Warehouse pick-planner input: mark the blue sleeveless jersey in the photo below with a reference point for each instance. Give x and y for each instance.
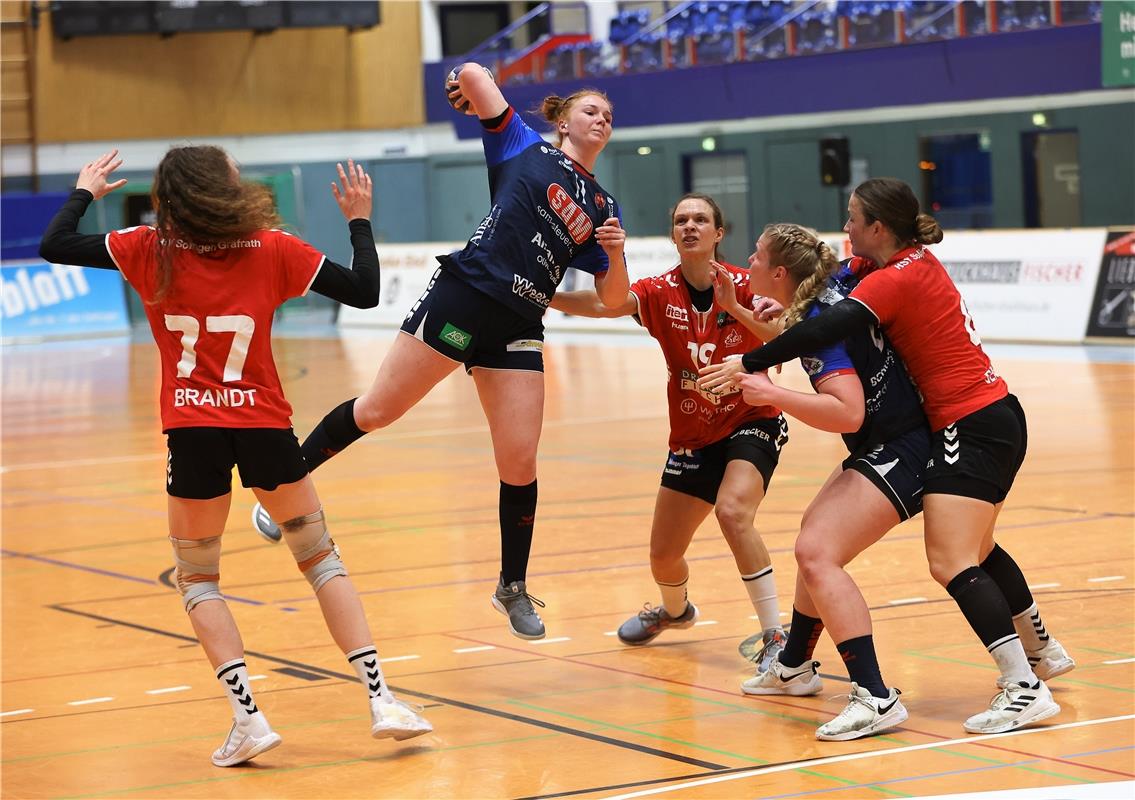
(893, 405)
(545, 210)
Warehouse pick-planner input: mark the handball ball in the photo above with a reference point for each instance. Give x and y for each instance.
(451, 83)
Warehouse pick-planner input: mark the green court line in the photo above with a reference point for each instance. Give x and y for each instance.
(848, 782)
(735, 706)
(1106, 652)
(1014, 765)
(627, 729)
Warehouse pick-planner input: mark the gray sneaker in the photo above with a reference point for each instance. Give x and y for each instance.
(774, 640)
(515, 603)
(651, 621)
(264, 525)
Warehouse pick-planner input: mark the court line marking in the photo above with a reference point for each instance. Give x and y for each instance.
(816, 762)
(168, 690)
(15, 712)
(1043, 585)
(398, 658)
(480, 649)
(904, 601)
(553, 640)
(90, 701)
(705, 622)
(595, 737)
(1107, 578)
(1120, 661)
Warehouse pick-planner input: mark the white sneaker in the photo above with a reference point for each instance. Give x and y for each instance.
(246, 741)
(1050, 661)
(779, 679)
(392, 719)
(1015, 706)
(865, 715)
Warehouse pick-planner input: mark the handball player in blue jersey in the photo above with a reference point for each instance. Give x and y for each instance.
(862, 391)
(484, 306)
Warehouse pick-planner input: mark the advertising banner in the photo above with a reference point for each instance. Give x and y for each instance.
(1019, 285)
(40, 300)
(1113, 308)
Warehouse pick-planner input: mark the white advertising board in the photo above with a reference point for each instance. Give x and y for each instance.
(1019, 285)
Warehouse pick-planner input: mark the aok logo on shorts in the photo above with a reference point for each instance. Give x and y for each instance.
(578, 223)
(455, 336)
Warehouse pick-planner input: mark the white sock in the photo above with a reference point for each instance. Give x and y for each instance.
(365, 662)
(674, 597)
(1012, 661)
(761, 587)
(1030, 628)
(233, 676)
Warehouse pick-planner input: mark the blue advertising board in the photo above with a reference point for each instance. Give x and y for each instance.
(40, 300)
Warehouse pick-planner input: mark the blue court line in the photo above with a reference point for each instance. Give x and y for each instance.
(912, 779)
(121, 576)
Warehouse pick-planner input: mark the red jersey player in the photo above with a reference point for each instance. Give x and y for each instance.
(977, 444)
(722, 451)
(211, 273)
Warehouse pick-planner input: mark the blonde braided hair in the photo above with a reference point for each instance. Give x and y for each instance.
(808, 260)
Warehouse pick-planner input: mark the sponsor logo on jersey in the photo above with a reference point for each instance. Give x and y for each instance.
(455, 336)
(526, 289)
(599, 201)
(688, 406)
(677, 313)
(733, 338)
(578, 223)
(724, 318)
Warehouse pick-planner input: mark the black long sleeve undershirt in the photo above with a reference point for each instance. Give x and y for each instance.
(828, 327)
(356, 286)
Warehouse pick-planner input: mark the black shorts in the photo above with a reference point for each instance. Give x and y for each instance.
(979, 455)
(468, 326)
(699, 472)
(200, 461)
(896, 469)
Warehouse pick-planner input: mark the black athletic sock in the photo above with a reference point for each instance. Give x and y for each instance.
(983, 604)
(862, 664)
(517, 517)
(803, 635)
(332, 435)
(1004, 571)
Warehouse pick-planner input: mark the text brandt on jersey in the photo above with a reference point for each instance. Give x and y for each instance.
(233, 398)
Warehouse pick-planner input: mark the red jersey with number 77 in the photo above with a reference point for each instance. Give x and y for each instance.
(690, 340)
(926, 318)
(213, 328)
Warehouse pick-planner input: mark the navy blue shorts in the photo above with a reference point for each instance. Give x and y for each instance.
(698, 473)
(200, 461)
(470, 327)
(979, 455)
(896, 469)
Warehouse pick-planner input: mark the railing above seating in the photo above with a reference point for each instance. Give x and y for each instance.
(726, 31)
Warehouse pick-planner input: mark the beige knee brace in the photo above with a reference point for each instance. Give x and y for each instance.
(314, 551)
(198, 572)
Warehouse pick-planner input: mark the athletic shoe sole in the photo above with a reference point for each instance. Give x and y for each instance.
(889, 720)
(397, 734)
(274, 538)
(1058, 668)
(262, 746)
(680, 626)
(1024, 719)
(794, 690)
(499, 606)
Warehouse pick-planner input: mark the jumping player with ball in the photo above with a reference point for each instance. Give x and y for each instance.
(483, 308)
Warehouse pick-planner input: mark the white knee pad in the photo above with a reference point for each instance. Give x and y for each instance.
(314, 551)
(198, 572)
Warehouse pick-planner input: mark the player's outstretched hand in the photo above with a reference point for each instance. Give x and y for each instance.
(724, 291)
(720, 377)
(357, 192)
(93, 176)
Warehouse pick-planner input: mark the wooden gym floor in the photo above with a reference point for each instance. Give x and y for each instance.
(106, 694)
